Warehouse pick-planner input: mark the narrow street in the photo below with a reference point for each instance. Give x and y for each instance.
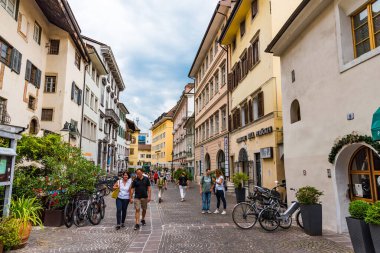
(175, 226)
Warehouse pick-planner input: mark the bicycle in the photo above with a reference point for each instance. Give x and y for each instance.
(87, 209)
(68, 214)
(99, 198)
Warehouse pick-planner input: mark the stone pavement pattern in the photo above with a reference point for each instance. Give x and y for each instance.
(175, 226)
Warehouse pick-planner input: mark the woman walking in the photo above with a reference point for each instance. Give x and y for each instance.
(122, 200)
(219, 192)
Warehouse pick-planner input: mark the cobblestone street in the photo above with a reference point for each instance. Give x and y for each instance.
(175, 226)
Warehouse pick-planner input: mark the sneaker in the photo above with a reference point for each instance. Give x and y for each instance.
(181, 200)
(224, 212)
(143, 222)
(122, 225)
(208, 211)
(117, 227)
(137, 226)
(203, 212)
(216, 211)
(159, 200)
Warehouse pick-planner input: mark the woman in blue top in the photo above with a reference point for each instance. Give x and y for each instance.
(219, 192)
(122, 201)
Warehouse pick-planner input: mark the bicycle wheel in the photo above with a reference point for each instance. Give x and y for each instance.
(268, 219)
(299, 219)
(287, 222)
(68, 214)
(244, 215)
(93, 213)
(79, 216)
(102, 208)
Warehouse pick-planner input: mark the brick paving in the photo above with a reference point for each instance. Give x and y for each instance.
(174, 226)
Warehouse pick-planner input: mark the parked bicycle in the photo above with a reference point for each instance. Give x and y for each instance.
(87, 209)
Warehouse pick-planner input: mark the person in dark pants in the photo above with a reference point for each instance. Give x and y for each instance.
(141, 188)
(122, 200)
(219, 192)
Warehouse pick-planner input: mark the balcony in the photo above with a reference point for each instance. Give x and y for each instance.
(111, 115)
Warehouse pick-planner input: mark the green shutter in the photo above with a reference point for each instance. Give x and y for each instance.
(28, 71)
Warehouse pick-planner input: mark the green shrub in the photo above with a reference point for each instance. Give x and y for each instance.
(308, 195)
(358, 209)
(27, 210)
(239, 178)
(373, 214)
(9, 232)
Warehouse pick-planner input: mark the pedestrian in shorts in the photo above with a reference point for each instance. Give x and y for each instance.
(141, 188)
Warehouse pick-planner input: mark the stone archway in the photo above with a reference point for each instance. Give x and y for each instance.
(207, 162)
(220, 161)
(341, 178)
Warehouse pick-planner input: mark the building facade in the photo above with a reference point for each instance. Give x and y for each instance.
(254, 84)
(145, 155)
(209, 69)
(330, 96)
(185, 108)
(189, 126)
(132, 139)
(145, 138)
(162, 140)
(122, 155)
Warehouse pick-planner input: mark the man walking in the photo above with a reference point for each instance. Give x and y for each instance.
(161, 184)
(182, 182)
(141, 188)
(205, 189)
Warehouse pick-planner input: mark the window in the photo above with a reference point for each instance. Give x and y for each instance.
(211, 55)
(148, 156)
(37, 33)
(211, 126)
(5, 53)
(54, 47)
(76, 94)
(366, 29)
(217, 122)
(365, 175)
(32, 103)
(102, 90)
(224, 119)
(242, 28)
(33, 74)
(4, 117)
(50, 83)
(77, 60)
(223, 73)
(96, 105)
(87, 96)
(92, 101)
(101, 122)
(23, 26)
(9, 6)
(216, 46)
(132, 151)
(211, 89)
(93, 73)
(258, 106)
(47, 115)
(295, 112)
(254, 8)
(244, 115)
(206, 62)
(255, 52)
(216, 80)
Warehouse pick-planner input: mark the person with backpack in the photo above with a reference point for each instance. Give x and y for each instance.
(205, 188)
(161, 184)
(155, 177)
(220, 192)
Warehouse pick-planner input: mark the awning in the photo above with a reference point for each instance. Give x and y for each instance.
(375, 127)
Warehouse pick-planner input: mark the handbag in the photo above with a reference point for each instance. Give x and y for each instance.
(115, 193)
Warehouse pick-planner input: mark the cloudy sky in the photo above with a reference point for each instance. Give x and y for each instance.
(154, 41)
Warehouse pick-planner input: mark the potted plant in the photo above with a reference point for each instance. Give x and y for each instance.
(238, 179)
(9, 233)
(311, 209)
(373, 219)
(358, 229)
(27, 212)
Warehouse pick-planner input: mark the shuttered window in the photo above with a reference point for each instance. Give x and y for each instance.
(76, 94)
(5, 52)
(37, 33)
(16, 58)
(260, 98)
(33, 74)
(254, 8)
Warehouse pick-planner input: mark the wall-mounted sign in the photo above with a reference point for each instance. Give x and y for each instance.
(241, 139)
(226, 157)
(251, 135)
(264, 131)
(266, 152)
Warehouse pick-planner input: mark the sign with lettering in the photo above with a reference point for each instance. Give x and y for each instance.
(251, 135)
(264, 131)
(266, 152)
(241, 139)
(226, 157)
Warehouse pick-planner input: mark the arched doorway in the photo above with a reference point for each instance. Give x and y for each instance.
(357, 175)
(221, 161)
(243, 161)
(207, 162)
(33, 126)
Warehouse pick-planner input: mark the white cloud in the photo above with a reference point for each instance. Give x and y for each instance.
(154, 41)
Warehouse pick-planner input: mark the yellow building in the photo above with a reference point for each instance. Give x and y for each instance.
(132, 138)
(145, 156)
(254, 85)
(162, 140)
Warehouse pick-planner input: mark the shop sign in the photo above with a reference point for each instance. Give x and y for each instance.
(266, 152)
(226, 157)
(264, 131)
(251, 135)
(202, 160)
(241, 139)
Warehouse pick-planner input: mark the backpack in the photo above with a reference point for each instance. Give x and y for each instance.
(160, 182)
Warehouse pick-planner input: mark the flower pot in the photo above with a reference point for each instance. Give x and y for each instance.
(53, 218)
(240, 195)
(375, 234)
(360, 235)
(24, 232)
(312, 219)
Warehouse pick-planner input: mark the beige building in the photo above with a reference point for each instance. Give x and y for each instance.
(209, 70)
(329, 91)
(145, 156)
(254, 84)
(181, 145)
(132, 137)
(42, 67)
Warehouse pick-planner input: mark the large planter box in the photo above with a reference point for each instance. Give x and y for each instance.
(375, 234)
(360, 235)
(240, 195)
(312, 219)
(53, 218)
